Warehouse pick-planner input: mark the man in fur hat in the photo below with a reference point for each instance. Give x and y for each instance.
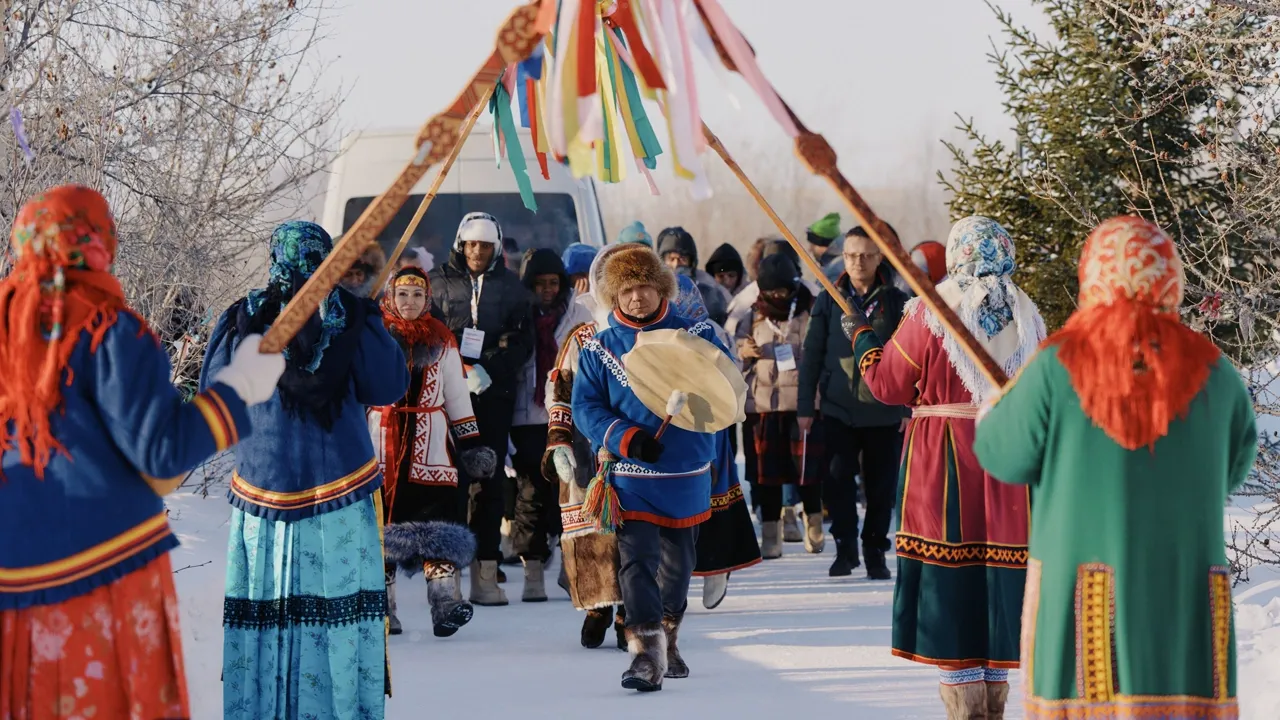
(663, 487)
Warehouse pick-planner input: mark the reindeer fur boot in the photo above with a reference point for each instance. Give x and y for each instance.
(676, 667)
(648, 647)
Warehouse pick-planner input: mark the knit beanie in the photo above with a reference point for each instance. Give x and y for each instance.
(577, 258)
(635, 233)
(778, 272)
(825, 231)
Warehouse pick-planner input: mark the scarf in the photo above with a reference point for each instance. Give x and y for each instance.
(781, 310)
(545, 349)
(64, 242)
(1132, 362)
(421, 333)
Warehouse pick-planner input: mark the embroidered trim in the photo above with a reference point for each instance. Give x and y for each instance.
(1096, 680)
(438, 570)
(1030, 613)
(86, 562)
(560, 415)
(610, 362)
(465, 428)
(967, 676)
(961, 662)
(633, 470)
(574, 522)
(365, 605)
(995, 676)
(701, 327)
(216, 415)
(1133, 707)
(960, 554)
(1220, 615)
(364, 475)
(869, 358)
(720, 502)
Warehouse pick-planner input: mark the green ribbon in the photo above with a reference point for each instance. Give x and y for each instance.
(500, 106)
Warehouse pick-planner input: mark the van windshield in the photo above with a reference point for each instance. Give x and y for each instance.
(554, 226)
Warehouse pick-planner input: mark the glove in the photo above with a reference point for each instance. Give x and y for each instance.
(644, 447)
(851, 323)
(253, 375)
(566, 465)
(478, 380)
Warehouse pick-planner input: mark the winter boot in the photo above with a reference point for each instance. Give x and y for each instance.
(877, 568)
(676, 667)
(648, 647)
(815, 539)
(594, 626)
(790, 526)
(501, 577)
(846, 560)
(447, 614)
(965, 702)
(771, 540)
(620, 627)
(393, 623)
(563, 580)
(484, 584)
(535, 586)
(457, 584)
(997, 696)
(714, 588)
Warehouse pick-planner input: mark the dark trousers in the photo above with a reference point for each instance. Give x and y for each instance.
(880, 448)
(750, 462)
(482, 498)
(537, 511)
(771, 500)
(655, 566)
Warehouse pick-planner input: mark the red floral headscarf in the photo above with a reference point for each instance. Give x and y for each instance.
(64, 242)
(1133, 363)
(423, 330)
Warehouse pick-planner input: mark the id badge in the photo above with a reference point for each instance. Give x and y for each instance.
(785, 356)
(472, 343)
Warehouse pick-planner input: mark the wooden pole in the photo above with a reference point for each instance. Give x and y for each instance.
(805, 255)
(463, 134)
(517, 38)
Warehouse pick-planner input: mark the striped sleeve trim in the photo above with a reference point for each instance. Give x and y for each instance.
(216, 415)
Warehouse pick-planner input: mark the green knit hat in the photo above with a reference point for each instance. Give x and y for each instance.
(825, 231)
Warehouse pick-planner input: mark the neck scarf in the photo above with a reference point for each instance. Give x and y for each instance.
(423, 332)
(980, 261)
(1132, 362)
(64, 242)
(782, 310)
(545, 349)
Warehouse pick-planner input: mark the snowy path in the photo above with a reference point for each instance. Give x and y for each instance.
(787, 640)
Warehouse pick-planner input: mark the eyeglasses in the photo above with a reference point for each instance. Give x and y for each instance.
(862, 257)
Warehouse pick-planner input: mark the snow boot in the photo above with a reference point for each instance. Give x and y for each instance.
(714, 588)
(620, 627)
(790, 526)
(770, 540)
(393, 623)
(815, 539)
(535, 586)
(877, 568)
(594, 627)
(997, 696)
(484, 584)
(648, 647)
(846, 560)
(676, 667)
(447, 614)
(965, 702)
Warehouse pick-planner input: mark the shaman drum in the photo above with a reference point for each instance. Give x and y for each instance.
(666, 360)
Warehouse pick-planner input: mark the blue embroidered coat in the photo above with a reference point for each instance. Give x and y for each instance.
(292, 468)
(95, 516)
(675, 491)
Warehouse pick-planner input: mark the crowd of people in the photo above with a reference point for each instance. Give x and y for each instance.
(1068, 524)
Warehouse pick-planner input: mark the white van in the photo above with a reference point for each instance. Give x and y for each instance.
(568, 210)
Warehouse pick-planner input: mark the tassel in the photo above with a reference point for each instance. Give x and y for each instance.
(601, 503)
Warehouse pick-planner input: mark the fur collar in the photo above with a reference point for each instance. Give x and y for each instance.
(419, 356)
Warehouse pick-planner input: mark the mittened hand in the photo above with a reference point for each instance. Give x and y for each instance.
(851, 323)
(565, 465)
(644, 447)
(478, 379)
(253, 375)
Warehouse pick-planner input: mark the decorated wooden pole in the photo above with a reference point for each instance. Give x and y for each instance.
(517, 38)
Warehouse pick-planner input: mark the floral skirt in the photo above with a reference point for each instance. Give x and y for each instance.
(115, 652)
(303, 617)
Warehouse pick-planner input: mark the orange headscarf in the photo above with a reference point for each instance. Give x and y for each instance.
(63, 242)
(1133, 363)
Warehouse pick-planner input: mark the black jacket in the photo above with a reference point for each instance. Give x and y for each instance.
(827, 363)
(504, 313)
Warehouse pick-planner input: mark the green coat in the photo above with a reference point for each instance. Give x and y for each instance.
(1128, 602)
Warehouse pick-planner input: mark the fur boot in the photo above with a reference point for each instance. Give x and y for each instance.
(676, 666)
(648, 647)
(714, 588)
(770, 539)
(620, 627)
(447, 614)
(790, 526)
(393, 623)
(563, 580)
(997, 697)
(594, 627)
(484, 584)
(413, 546)
(535, 586)
(815, 540)
(965, 702)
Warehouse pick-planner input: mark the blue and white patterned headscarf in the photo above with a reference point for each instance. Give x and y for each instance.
(689, 303)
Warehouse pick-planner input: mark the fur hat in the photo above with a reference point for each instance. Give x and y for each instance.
(359, 279)
(631, 266)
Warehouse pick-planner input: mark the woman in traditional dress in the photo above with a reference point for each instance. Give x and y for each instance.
(93, 434)
(962, 536)
(1132, 430)
(411, 440)
(303, 619)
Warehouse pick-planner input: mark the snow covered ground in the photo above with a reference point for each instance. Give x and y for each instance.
(786, 640)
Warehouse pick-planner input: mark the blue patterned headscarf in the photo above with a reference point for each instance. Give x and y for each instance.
(689, 303)
(980, 259)
(297, 249)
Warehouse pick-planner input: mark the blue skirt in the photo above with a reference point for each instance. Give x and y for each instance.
(303, 617)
